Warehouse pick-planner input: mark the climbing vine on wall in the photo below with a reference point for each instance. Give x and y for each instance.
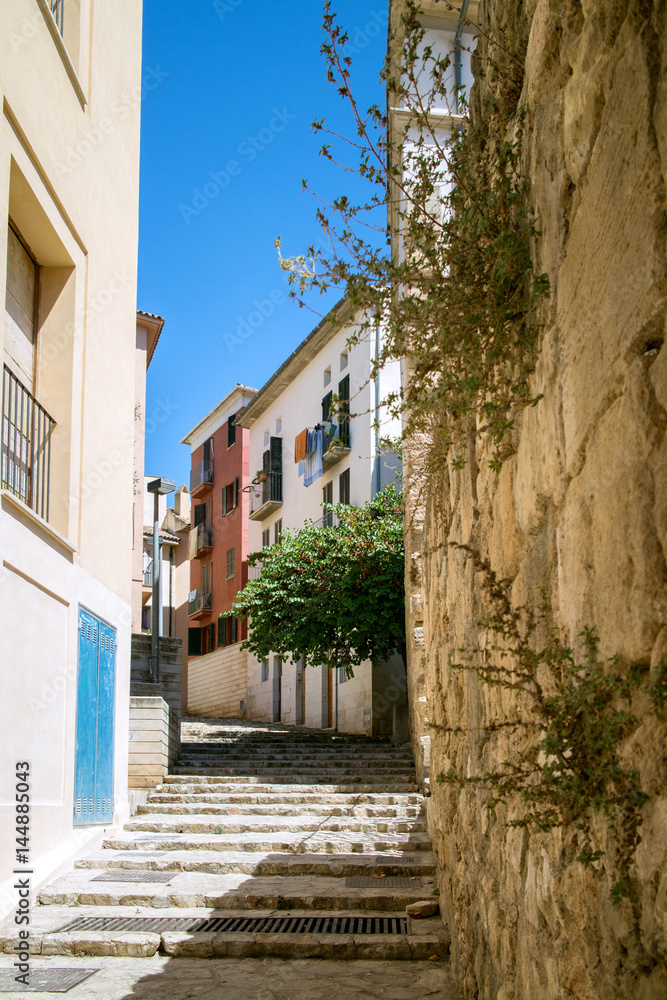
(573, 713)
(456, 290)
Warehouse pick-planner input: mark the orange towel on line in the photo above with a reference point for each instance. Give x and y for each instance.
(300, 446)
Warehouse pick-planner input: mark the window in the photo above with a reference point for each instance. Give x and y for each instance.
(277, 530)
(279, 426)
(230, 563)
(231, 430)
(208, 450)
(342, 675)
(146, 618)
(327, 375)
(344, 415)
(206, 578)
(266, 538)
(194, 642)
(326, 406)
(343, 360)
(265, 670)
(234, 628)
(344, 487)
(222, 631)
(327, 497)
(230, 497)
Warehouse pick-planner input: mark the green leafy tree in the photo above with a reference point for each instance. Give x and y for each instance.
(331, 595)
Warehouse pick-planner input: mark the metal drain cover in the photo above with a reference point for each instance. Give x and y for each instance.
(390, 882)
(44, 980)
(244, 925)
(122, 875)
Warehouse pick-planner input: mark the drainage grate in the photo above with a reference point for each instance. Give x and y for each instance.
(390, 882)
(244, 925)
(118, 875)
(44, 980)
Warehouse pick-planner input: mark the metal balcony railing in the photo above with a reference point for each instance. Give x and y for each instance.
(201, 475)
(255, 571)
(26, 445)
(58, 11)
(200, 602)
(148, 575)
(267, 496)
(204, 537)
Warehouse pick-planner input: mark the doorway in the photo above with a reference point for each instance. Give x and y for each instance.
(93, 786)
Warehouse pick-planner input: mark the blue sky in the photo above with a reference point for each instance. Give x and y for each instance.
(230, 95)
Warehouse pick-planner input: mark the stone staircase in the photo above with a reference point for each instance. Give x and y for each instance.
(263, 841)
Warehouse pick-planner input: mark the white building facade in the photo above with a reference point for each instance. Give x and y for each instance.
(298, 397)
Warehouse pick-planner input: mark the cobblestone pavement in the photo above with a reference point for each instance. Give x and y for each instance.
(161, 978)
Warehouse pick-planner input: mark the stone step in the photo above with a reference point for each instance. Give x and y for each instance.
(249, 785)
(364, 778)
(288, 758)
(340, 865)
(227, 824)
(191, 806)
(328, 843)
(312, 799)
(234, 892)
(325, 772)
(422, 940)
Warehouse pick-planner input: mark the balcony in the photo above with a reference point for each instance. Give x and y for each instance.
(204, 539)
(26, 445)
(200, 605)
(148, 575)
(267, 497)
(255, 571)
(336, 445)
(201, 478)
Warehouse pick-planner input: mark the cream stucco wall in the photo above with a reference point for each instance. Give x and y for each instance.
(69, 163)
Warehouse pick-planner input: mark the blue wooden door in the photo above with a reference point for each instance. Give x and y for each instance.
(93, 795)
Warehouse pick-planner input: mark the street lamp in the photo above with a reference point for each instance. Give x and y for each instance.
(158, 487)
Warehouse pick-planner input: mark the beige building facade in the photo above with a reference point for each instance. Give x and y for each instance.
(69, 179)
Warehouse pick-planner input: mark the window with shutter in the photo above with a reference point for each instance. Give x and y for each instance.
(207, 450)
(224, 501)
(231, 430)
(266, 538)
(222, 631)
(326, 406)
(344, 414)
(235, 629)
(211, 638)
(344, 487)
(198, 515)
(277, 530)
(194, 642)
(327, 497)
(235, 493)
(206, 577)
(230, 563)
(276, 469)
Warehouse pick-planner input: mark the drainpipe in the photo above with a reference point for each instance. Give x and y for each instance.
(457, 49)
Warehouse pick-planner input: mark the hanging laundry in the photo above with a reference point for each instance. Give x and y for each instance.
(300, 442)
(313, 461)
(192, 543)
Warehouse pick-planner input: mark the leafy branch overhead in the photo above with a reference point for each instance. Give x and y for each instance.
(331, 595)
(456, 288)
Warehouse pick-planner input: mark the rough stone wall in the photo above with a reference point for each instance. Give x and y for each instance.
(579, 508)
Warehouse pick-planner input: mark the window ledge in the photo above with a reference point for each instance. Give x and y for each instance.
(62, 51)
(36, 523)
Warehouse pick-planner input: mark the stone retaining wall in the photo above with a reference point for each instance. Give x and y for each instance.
(579, 509)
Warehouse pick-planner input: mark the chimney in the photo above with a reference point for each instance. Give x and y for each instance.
(182, 503)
